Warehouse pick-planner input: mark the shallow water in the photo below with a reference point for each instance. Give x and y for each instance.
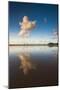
(31, 66)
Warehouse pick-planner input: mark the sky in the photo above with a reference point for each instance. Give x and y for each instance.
(45, 15)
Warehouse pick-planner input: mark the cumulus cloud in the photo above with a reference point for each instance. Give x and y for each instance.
(26, 26)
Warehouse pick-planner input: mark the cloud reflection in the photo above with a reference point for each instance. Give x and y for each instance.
(25, 63)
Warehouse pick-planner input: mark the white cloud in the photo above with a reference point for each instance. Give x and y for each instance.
(55, 35)
(26, 26)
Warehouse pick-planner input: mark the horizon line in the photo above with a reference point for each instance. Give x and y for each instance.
(33, 44)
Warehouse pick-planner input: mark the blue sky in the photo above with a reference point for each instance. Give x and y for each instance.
(46, 16)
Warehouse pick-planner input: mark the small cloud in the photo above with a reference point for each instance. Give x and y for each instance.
(55, 34)
(45, 20)
(26, 26)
